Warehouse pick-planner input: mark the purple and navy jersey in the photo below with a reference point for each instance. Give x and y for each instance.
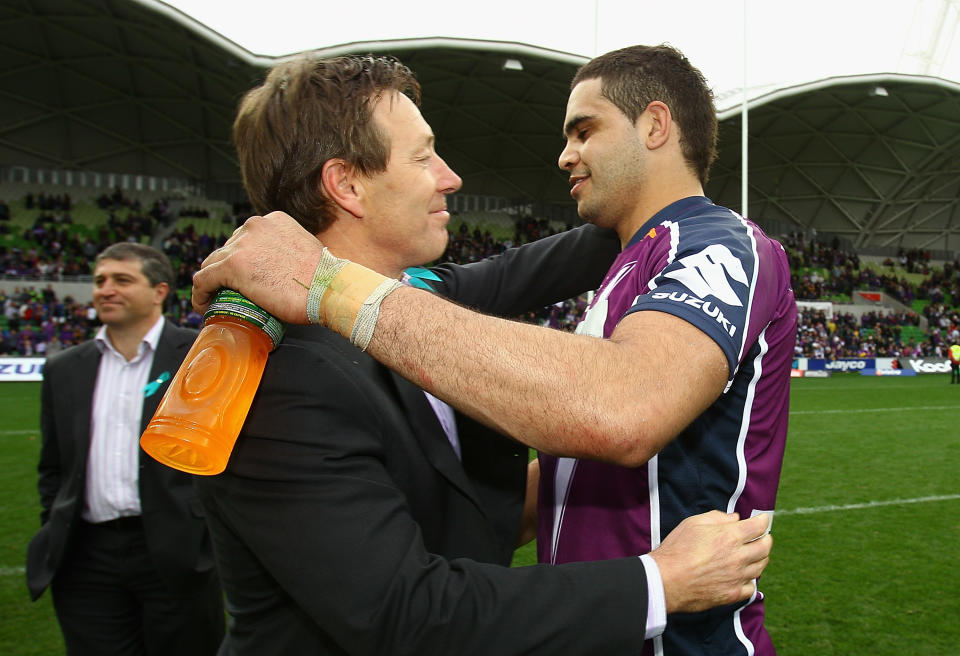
(708, 266)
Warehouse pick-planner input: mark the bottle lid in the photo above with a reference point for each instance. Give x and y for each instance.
(228, 303)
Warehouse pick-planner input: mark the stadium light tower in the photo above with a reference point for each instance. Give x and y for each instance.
(596, 27)
(933, 28)
(744, 131)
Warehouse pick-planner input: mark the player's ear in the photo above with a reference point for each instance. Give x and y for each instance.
(656, 124)
(341, 184)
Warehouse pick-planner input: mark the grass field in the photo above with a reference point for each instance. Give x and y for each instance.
(866, 533)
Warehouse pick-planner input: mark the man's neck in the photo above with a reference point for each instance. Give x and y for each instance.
(352, 246)
(127, 339)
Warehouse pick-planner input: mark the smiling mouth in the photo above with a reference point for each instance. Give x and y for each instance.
(576, 182)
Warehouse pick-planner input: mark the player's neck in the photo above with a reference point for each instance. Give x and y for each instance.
(661, 194)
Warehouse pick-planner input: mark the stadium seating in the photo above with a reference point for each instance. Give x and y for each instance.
(918, 315)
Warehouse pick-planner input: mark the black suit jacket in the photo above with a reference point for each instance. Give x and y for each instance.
(344, 523)
(172, 514)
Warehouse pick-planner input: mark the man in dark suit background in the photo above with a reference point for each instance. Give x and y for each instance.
(358, 515)
(123, 542)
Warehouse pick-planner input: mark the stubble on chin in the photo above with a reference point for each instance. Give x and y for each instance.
(590, 214)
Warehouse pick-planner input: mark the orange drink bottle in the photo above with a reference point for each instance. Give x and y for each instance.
(200, 416)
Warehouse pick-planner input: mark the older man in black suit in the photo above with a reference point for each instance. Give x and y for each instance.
(359, 515)
(123, 542)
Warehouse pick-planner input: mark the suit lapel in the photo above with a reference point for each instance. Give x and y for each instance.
(166, 360)
(157, 478)
(86, 371)
(428, 431)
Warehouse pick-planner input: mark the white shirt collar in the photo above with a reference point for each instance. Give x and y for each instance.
(150, 340)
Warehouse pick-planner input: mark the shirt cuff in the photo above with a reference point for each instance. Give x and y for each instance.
(656, 599)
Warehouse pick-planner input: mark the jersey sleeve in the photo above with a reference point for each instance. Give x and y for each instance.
(704, 273)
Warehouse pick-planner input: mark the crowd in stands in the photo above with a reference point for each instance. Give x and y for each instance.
(843, 272)
(822, 271)
(187, 250)
(50, 202)
(195, 212)
(467, 246)
(872, 335)
(38, 323)
(810, 285)
(56, 252)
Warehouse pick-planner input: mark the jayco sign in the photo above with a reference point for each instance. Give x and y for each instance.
(847, 364)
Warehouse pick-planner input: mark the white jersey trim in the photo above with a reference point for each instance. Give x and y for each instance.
(742, 477)
(655, 529)
(745, 421)
(674, 232)
(592, 324)
(753, 290)
(738, 625)
(561, 488)
(653, 485)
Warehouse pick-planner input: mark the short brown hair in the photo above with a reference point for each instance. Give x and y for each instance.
(306, 112)
(155, 265)
(631, 78)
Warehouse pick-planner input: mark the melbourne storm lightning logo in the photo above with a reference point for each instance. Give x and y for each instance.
(705, 274)
(708, 273)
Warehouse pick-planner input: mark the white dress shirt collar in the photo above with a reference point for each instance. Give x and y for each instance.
(151, 339)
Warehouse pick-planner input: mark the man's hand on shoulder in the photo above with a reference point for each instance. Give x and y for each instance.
(712, 559)
(269, 259)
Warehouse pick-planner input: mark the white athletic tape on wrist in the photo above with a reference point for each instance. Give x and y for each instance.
(345, 297)
(326, 271)
(367, 317)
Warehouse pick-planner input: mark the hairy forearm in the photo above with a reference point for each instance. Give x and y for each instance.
(560, 393)
(619, 399)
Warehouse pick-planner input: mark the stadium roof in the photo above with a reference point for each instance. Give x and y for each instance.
(872, 158)
(135, 86)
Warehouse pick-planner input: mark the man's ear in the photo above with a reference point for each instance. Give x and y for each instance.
(340, 184)
(160, 292)
(656, 130)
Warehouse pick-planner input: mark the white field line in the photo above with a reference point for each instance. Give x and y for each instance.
(861, 410)
(19, 571)
(868, 504)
